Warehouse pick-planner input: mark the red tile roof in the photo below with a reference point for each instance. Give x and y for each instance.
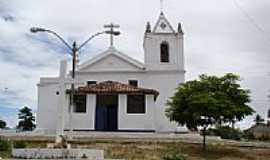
(112, 87)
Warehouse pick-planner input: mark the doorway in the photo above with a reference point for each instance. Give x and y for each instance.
(106, 113)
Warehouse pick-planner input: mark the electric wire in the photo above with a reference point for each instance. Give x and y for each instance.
(252, 21)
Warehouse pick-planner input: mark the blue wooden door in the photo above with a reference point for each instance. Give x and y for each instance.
(106, 113)
(112, 118)
(101, 118)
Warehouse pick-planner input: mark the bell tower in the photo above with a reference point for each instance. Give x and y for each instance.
(163, 46)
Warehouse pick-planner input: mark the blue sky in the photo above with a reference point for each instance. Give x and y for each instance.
(219, 38)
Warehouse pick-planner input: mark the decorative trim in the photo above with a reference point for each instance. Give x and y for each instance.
(162, 17)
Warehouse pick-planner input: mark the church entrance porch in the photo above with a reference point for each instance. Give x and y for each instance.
(115, 107)
(106, 117)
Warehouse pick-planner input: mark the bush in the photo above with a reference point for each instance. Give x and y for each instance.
(19, 144)
(210, 132)
(5, 145)
(264, 137)
(248, 135)
(226, 132)
(174, 156)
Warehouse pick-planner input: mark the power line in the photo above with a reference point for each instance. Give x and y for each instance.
(252, 21)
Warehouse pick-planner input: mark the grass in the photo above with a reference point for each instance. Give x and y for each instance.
(140, 150)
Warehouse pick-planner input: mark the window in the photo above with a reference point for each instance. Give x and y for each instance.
(80, 103)
(164, 52)
(91, 82)
(136, 104)
(133, 83)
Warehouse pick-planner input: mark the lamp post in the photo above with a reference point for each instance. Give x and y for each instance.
(73, 52)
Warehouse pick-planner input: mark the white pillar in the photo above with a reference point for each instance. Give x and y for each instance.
(61, 101)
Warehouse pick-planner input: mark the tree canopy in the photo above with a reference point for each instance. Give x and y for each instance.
(3, 124)
(27, 119)
(258, 119)
(209, 100)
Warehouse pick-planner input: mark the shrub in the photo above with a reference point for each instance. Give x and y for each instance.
(5, 145)
(226, 132)
(210, 132)
(19, 144)
(249, 135)
(264, 137)
(174, 156)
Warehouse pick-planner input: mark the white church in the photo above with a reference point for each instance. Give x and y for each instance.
(114, 92)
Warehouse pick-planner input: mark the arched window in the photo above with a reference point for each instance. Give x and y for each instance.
(164, 52)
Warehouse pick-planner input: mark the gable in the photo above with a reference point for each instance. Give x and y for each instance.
(111, 61)
(163, 25)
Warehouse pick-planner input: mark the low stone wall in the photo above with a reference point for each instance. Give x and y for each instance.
(58, 154)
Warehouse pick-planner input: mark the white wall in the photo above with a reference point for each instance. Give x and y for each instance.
(152, 43)
(166, 84)
(136, 121)
(47, 107)
(83, 121)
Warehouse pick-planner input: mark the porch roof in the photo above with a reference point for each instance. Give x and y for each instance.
(113, 87)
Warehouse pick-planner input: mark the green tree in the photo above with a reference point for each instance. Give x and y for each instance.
(26, 119)
(258, 119)
(3, 124)
(208, 101)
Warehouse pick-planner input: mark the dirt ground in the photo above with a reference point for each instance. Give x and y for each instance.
(157, 150)
(139, 150)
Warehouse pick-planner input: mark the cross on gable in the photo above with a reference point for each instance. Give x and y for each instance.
(111, 31)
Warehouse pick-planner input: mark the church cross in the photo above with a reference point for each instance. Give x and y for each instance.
(161, 6)
(112, 32)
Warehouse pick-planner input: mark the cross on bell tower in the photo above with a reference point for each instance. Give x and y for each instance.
(161, 6)
(112, 32)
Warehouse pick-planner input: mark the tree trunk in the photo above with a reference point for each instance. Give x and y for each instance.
(233, 124)
(204, 139)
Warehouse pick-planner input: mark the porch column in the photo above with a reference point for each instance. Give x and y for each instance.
(122, 111)
(91, 109)
(151, 109)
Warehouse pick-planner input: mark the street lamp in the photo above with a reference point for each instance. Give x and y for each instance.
(73, 50)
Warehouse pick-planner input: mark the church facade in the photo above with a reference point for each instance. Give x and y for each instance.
(114, 92)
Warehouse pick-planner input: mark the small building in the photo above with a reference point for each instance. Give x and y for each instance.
(260, 130)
